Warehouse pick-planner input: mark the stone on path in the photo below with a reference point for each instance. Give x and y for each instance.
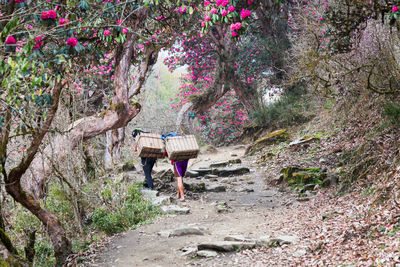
(211, 176)
(161, 200)
(231, 171)
(222, 207)
(219, 164)
(189, 251)
(202, 171)
(225, 246)
(215, 187)
(188, 230)
(149, 194)
(192, 174)
(194, 185)
(263, 241)
(225, 163)
(184, 230)
(282, 240)
(239, 238)
(174, 209)
(207, 253)
(167, 174)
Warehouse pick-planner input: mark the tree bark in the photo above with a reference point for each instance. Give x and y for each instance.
(114, 141)
(120, 113)
(62, 246)
(115, 138)
(225, 80)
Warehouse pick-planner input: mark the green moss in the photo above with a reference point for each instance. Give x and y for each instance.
(294, 175)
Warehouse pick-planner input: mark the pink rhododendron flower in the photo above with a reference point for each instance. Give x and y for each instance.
(10, 40)
(50, 14)
(395, 9)
(219, 2)
(206, 3)
(106, 33)
(72, 42)
(63, 22)
(234, 34)
(224, 3)
(124, 31)
(203, 24)
(224, 12)
(231, 8)
(38, 42)
(213, 10)
(207, 18)
(245, 13)
(182, 9)
(236, 26)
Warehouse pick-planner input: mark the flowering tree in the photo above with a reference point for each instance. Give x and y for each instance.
(47, 47)
(228, 56)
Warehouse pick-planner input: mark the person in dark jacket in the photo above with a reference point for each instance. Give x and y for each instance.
(147, 163)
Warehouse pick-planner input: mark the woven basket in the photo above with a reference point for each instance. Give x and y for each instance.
(182, 147)
(150, 145)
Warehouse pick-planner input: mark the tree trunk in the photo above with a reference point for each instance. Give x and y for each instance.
(58, 237)
(114, 141)
(62, 246)
(225, 80)
(120, 113)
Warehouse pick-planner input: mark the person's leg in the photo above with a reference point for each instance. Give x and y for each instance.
(148, 164)
(144, 161)
(179, 180)
(181, 169)
(149, 178)
(176, 175)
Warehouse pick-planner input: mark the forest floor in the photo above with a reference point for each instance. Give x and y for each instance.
(321, 228)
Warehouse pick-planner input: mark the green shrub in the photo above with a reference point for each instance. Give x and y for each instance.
(108, 222)
(44, 252)
(132, 211)
(289, 109)
(392, 110)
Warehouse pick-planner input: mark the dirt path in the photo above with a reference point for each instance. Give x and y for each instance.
(249, 201)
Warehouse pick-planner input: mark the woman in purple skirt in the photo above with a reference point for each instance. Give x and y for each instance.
(180, 168)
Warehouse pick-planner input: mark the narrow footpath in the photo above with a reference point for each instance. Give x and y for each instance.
(229, 212)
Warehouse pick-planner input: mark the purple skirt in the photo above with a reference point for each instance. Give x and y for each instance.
(181, 167)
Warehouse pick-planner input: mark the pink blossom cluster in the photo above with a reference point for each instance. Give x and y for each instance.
(182, 9)
(245, 13)
(50, 14)
(223, 3)
(38, 42)
(236, 26)
(10, 40)
(63, 22)
(72, 41)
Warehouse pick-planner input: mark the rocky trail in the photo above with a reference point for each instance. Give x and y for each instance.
(233, 216)
(225, 212)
